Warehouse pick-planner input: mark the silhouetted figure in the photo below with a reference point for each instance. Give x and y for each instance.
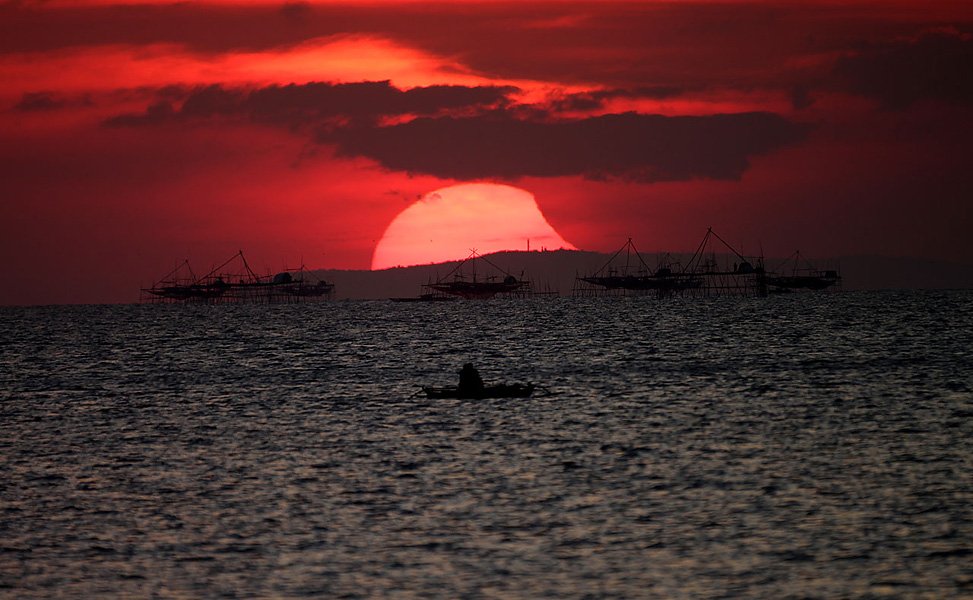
(469, 379)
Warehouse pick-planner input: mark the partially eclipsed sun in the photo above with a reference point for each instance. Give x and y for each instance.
(448, 223)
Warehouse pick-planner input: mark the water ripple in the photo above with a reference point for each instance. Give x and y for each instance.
(804, 446)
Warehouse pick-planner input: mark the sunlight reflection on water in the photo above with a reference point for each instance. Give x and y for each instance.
(801, 446)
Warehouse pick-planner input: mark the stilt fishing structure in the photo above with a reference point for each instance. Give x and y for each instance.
(802, 276)
(707, 273)
(235, 282)
(712, 264)
(635, 277)
(464, 282)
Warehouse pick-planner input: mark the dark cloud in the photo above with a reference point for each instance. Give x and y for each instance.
(296, 11)
(655, 92)
(475, 132)
(586, 101)
(366, 101)
(801, 97)
(43, 101)
(629, 146)
(157, 113)
(936, 65)
(213, 101)
(313, 103)
(38, 101)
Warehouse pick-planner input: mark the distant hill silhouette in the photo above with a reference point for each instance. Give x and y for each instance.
(556, 271)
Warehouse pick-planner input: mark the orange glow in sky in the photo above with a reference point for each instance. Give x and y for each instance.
(336, 59)
(449, 223)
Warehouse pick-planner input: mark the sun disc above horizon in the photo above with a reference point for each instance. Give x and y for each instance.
(448, 223)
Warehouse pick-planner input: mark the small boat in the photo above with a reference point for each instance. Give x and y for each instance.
(503, 390)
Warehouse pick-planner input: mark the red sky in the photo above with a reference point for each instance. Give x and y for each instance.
(136, 135)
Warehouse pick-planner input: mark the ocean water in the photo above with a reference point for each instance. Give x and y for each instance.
(800, 446)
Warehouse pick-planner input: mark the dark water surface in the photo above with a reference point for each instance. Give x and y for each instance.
(802, 446)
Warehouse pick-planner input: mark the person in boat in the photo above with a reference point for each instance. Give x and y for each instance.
(469, 379)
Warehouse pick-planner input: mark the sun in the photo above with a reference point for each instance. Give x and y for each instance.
(448, 223)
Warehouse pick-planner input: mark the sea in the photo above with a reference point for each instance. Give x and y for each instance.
(809, 445)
